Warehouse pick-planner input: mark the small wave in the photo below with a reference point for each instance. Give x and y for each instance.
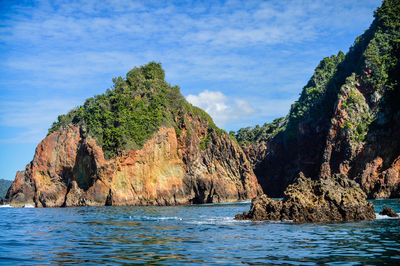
(215, 221)
(154, 218)
(5, 206)
(29, 206)
(169, 218)
(230, 220)
(381, 217)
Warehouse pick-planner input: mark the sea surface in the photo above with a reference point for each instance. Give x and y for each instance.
(194, 234)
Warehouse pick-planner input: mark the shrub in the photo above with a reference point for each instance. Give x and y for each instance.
(128, 114)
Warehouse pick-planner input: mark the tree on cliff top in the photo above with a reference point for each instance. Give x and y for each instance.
(128, 114)
(373, 58)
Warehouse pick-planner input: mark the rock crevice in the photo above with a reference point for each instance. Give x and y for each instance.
(69, 169)
(324, 200)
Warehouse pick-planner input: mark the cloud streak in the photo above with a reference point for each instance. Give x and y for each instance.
(243, 61)
(33, 117)
(241, 48)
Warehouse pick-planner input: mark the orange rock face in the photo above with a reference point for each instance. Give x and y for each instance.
(373, 162)
(69, 169)
(337, 146)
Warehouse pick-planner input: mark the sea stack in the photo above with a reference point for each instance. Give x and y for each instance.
(323, 200)
(140, 143)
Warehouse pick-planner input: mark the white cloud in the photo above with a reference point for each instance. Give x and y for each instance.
(237, 112)
(221, 108)
(253, 56)
(76, 37)
(261, 48)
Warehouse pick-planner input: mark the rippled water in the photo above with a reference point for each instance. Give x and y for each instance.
(189, 234)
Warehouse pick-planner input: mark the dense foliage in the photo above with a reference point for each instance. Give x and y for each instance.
(259, 133)
(372, 62)
(311, 104)
(384, 56)
(132, 110)
(357, 109)
(4, 186)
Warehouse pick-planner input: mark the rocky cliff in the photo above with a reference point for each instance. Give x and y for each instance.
(325, 200)
(4, 185)
(185, 159)
(346, 120)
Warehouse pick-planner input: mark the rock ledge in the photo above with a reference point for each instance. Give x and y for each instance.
(324, 200)
(388, 212)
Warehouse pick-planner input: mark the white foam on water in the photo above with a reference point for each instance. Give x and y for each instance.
(169, 218)
(29, 206)
(230, 220)
(216, 221)
(244, 201)
(154, 218)
(5, 206)
(381, 217)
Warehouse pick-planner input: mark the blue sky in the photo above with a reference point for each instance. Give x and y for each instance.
(244, 62)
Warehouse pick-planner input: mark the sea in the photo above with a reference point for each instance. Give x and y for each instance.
(195, 234)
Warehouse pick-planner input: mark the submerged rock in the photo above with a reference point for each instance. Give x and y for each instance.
(388, 212)
(324, 200)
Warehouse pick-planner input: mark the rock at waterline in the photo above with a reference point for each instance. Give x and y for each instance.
(324, 200)
(388, 212)
(139, 143)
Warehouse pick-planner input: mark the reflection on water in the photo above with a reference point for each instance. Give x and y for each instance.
(189, 234)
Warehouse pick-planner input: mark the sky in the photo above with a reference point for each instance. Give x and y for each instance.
(244, 62)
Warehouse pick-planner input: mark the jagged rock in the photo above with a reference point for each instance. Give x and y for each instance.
(69, 169)
(139, 143)
(388, 212)
(346, 121)
(324, 200)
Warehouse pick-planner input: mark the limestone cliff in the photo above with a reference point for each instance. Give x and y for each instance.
(186, 159)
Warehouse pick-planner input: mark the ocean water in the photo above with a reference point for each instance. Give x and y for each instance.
(195, 234)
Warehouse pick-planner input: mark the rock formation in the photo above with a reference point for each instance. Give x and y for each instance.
(4, 185)
(185, 160)
(388, 212)
(325, 200)
(346, 120)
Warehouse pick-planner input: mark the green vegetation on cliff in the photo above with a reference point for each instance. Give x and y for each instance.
(377, 77)
(4, 186)
(311, 104)
(258, 134)
(384, 59)
(132, 110)
(372, 64)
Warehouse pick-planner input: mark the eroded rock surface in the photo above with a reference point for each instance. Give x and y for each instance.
(388, 212)
(324, 200)
(69, 169)
(346, 120)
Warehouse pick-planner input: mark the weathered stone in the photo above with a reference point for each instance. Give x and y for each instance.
(69, 169)
(324, 200)
(350, 127)
(388, 212)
